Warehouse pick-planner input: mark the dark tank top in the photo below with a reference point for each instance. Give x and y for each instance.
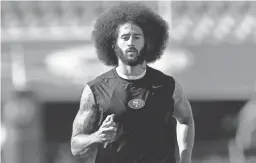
(143, 110)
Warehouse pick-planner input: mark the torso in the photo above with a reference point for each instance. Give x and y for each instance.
(143, 109)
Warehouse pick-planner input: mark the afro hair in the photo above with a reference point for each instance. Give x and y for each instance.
(155, 31)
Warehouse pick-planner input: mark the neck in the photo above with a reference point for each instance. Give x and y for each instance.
(131, 70)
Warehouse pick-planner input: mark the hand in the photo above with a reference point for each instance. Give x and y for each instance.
(107, 131)
(185, 156)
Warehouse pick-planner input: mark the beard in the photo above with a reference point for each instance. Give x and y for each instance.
(132, 60)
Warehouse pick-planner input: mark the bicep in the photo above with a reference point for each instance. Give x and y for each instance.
(182, 108)
(86, 118)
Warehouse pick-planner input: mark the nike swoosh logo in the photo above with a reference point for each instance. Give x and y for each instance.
(156, 86)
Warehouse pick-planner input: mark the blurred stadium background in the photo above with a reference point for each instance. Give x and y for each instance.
(47, 57)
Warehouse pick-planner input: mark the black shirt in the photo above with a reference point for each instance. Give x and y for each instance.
(143, 109)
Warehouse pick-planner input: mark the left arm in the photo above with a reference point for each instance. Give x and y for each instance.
(185, 124)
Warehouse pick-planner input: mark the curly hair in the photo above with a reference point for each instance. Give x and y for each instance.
(105, 31)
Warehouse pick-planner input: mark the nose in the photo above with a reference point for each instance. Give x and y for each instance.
(130, 42)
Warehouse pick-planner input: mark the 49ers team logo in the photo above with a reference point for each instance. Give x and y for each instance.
(136, 103)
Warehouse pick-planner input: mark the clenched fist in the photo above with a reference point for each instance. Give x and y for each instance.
(107, 131)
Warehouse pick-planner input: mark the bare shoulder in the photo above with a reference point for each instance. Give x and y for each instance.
(87, 99)
(86, 118)
(182, 107)
(178, 93)
(179, 96)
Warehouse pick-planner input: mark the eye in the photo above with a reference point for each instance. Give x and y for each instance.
(125, 37)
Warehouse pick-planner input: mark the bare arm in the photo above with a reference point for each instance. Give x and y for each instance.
(83, 141)
(185, 124)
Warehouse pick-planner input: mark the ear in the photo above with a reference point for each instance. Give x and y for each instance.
(147, 46)
(113, 44)
(146, 43)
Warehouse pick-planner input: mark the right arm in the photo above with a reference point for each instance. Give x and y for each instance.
(83, 141)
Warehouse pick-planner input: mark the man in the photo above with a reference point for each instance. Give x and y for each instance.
(125, 114)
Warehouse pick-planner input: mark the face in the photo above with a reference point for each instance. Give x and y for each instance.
(130, 44)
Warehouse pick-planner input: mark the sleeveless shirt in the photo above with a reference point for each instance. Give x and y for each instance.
(143, 110)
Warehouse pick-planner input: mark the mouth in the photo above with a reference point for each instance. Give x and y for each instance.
(131, 51)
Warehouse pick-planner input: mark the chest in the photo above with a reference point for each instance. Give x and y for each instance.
(137, 104)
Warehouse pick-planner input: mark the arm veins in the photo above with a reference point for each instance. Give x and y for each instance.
(86, 117)
(182, 108)
(178, 95)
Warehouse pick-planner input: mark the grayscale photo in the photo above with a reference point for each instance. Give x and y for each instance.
(162, 81)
